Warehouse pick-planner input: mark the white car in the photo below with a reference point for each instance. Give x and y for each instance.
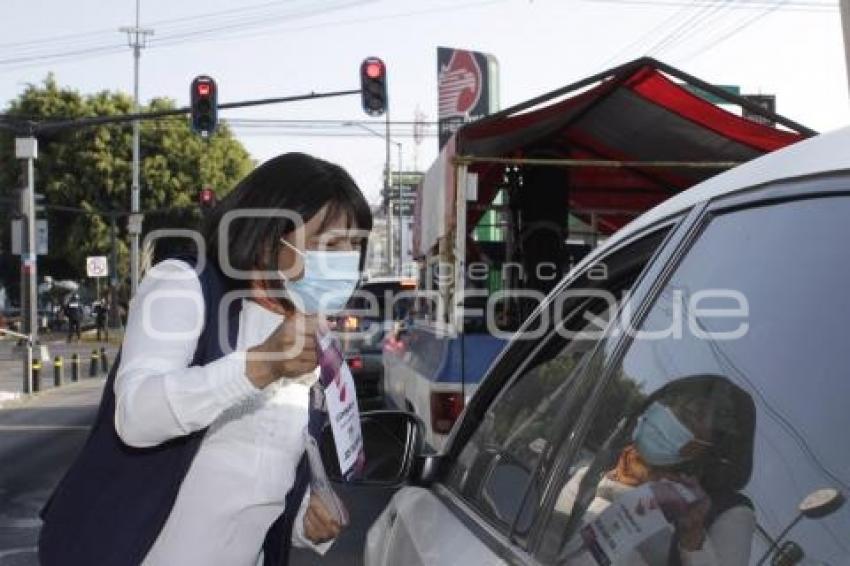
(743, 281)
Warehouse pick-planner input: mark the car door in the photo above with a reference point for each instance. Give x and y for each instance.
(756, 306)
(486, 497)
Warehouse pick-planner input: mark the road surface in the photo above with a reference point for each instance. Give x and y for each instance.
(40, 437)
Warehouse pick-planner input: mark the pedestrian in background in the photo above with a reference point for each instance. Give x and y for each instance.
(74, 312)
(100, 312)
(197, 456)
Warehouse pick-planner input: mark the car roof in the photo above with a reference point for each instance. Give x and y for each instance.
(821, 154)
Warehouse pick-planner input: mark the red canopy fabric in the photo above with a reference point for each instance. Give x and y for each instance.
(640, 116)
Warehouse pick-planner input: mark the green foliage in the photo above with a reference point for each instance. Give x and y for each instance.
(91, 168)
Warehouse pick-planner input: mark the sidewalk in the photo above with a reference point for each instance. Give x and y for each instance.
(11, 363)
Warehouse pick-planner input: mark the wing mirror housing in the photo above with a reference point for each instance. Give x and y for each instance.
(392, 442)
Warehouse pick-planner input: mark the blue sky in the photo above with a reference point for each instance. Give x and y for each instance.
(257, 49)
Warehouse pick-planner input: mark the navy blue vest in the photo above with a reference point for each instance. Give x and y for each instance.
(111, 505)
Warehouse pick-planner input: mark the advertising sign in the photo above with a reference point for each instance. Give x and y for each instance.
(468, 88)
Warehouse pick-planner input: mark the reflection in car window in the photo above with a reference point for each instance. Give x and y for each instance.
(496, 469)
(764, 306)
(664, 487)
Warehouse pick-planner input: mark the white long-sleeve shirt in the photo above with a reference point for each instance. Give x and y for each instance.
(237, 483)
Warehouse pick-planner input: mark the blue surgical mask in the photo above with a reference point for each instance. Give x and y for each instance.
(329, 279)
(660, 436)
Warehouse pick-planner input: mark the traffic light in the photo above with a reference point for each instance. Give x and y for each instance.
(373, 86)
(204, 98)
(206, 198)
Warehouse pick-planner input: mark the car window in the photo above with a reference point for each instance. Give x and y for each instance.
(736, 388)
(495, 469)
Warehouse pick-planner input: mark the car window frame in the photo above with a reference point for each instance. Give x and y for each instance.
(506, 368)
(647, 291)
(513, 358)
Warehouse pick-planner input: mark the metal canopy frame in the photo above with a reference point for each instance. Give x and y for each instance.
(612, 163)
(622, 72)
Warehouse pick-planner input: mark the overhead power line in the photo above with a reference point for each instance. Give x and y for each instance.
(47, 50)
(793, 5)
(725, 35)
(174, 30)
(700, 26)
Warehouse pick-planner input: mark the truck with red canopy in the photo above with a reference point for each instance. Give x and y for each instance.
(517, 198)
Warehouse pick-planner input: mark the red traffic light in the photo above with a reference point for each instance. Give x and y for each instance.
(374, 69)
(204, 105)
(207, 197)
(373, 86)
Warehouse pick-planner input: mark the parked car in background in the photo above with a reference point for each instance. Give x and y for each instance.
(741, 281)
(11, 318)
(376, 309)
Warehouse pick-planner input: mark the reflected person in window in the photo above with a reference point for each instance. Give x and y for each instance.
(696, 433)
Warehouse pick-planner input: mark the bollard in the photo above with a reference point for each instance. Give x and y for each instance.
(36, 375)
(57, 371)
(104, 361)
(27, 373)
(75, 367)
(93, 365)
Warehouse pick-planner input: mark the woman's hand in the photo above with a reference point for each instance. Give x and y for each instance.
(319, 526)
(290, 351)
(691, 525)
(689, 518)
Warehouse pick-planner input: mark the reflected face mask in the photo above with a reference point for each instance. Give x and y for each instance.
(329, 279)
(660, 436)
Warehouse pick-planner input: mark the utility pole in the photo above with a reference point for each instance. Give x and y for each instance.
(112, 315)
(389, 208)
(136, 37)
(845, 23)
(27, 149)
(387, 186)
(400, 222)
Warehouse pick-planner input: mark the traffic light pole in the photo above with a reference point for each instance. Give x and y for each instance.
(845, 23)
(27, 149)
(52, 126)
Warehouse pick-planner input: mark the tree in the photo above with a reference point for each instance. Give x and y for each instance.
(91, 167)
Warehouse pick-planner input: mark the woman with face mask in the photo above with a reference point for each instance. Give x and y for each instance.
(196, 456)
(692, 443)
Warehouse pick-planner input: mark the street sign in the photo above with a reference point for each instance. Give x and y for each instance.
(407, 192)
(408, 178)
(26, 148)
(766, 101)
(134, 223)
(406, 208)
(18, 236)
(97, 266)
(711, 97)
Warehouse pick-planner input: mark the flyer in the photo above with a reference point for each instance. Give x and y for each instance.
(343, 412)
(633, 518)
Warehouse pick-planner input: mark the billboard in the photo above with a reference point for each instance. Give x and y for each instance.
(467, 86)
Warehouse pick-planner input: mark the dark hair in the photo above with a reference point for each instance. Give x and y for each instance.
(295, 182)
(728, 464)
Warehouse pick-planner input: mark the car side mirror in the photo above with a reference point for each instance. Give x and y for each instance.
(392, 440)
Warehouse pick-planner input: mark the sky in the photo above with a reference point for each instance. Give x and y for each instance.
(258, 49)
